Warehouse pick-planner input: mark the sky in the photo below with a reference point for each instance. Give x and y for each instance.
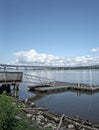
(49, 32)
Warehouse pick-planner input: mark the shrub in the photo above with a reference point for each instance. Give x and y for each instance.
(8, 113)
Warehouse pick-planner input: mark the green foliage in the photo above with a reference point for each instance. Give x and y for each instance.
(8, 113)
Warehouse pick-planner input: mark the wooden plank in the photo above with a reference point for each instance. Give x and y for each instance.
(7, 77)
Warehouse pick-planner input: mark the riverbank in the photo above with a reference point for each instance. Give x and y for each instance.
(53, 121)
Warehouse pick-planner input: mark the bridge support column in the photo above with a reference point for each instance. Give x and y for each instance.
(5, 68)
(17, 68)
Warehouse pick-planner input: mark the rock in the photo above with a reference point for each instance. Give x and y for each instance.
(29, 115)
(33, 119)
(26, 100)
(45, 119)
(34, 116)
(71, 126)
(38, 120)
(18, 117)
(32, 104)
(40, 116)
(39, 112)
(76, 116)
(42, 123)
(82, 129)
(49, 125)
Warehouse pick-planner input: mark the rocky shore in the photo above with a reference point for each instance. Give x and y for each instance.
(45, 119)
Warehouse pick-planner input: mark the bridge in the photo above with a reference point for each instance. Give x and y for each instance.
(39, 67)
(18, 67)
(27, 67)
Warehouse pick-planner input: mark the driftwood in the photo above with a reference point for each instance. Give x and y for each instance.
(79, 125)
(36, 108)
(51, 117)
(97, 126)
(60, 123)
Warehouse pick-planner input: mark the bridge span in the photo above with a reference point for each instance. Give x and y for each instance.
(41, 67)
(25, 67)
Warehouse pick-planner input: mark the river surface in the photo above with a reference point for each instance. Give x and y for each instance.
(85, 105)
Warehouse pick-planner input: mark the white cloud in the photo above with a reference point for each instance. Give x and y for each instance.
(95, 50)
(31, 57)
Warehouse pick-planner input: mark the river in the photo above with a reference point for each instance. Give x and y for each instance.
(85, 105)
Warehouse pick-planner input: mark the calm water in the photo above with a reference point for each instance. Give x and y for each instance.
(71, 103)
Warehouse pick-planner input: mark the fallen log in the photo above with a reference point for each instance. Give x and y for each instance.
(97, 126)
(78, 125)
(36, 108)
(51, 117)
(60, 123)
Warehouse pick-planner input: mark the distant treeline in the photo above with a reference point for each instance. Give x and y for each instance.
(73, 68)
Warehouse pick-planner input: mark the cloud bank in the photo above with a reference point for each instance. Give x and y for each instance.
(94, 50)
(31, 57)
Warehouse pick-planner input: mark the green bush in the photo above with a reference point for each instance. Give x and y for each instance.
(8, 113)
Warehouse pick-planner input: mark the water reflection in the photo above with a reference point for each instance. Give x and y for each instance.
(71, 104)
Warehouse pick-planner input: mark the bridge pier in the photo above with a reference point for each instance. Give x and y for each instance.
(16, 87)
(15, 90)
(5, 68)
(25, 68)
(15, 93)
(7, 88)
(17, 68)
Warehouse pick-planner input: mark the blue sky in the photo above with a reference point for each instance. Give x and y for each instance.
(61, 28)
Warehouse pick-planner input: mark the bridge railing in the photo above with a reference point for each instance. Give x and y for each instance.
(37, 80)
